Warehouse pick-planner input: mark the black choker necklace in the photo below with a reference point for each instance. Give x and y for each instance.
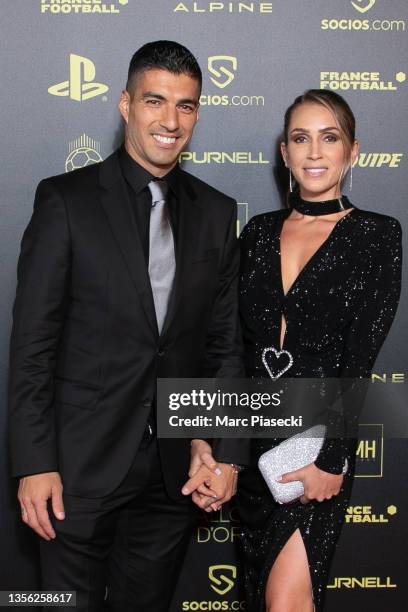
(319, 209)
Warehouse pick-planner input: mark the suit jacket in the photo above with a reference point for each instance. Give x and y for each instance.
(85, 348)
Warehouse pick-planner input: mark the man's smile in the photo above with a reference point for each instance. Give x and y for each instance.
(166, 141)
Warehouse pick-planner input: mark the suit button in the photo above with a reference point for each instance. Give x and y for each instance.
(160, 353)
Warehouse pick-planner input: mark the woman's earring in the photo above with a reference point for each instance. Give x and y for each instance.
(351, 177)
(290, 181)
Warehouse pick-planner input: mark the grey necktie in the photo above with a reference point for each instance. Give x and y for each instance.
(162, 261)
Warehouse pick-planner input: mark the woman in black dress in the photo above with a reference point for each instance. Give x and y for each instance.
(320, 280)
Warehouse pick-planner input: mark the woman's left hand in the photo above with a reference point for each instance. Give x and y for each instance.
(318, 485)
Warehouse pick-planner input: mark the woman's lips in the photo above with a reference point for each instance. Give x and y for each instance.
(314, 172)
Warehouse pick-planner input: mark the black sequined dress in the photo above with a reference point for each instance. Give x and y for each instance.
(338, 313)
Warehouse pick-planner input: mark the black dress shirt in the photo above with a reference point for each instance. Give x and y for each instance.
(137, 180)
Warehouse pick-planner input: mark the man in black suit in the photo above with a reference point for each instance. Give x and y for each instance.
(127, 273)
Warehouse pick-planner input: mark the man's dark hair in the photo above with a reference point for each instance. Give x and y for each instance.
(163, 55)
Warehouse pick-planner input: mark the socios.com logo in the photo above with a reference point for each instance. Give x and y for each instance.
(218, 575)
(217, 67)
(362, 6)
(358, 23)
(223, 70)
(81, 85)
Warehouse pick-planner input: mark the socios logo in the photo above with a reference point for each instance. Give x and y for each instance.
(83, 151)
(362, 6)
(223, 69)
(81, 85)
(361, 23)
(221, 583)
(217, 66)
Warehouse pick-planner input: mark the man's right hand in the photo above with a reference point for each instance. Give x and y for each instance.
(33, 494)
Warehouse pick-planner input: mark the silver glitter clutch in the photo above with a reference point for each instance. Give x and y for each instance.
(290, 455)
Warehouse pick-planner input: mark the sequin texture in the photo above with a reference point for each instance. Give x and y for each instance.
(338, 313)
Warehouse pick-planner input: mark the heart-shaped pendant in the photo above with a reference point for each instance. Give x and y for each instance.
(277, 354)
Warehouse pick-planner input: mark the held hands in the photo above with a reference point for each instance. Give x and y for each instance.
(33, 494)
(317, 484)
(211, 484)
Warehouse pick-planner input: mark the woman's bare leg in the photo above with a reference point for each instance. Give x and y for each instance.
(289, 588)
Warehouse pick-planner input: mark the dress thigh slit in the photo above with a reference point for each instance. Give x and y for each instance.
(267, 526)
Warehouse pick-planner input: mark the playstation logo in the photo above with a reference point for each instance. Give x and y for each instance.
(81, 85)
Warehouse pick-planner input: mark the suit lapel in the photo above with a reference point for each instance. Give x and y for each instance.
(189, 222)
(117, 207)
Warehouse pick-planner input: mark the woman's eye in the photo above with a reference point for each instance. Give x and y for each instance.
(299, 139)
(331, 138)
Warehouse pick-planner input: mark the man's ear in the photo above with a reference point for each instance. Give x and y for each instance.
(124, 104)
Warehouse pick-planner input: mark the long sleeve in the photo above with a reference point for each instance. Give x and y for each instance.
(379, 288)
(224, 343)
(379, 303)
(38, 316)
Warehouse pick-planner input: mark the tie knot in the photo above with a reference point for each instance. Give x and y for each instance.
(159, 190)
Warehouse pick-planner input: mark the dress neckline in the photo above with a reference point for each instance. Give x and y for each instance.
(313, 257)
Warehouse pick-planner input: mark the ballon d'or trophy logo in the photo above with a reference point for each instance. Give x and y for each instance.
(82, 152)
